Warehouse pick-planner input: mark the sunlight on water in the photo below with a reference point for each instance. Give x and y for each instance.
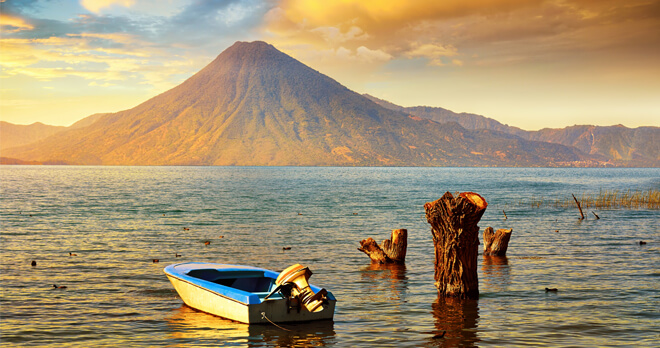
(117, 220)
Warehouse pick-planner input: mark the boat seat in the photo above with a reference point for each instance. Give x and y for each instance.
(225, 281)
(250, 281)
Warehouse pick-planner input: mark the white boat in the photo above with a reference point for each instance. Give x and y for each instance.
(249, 294)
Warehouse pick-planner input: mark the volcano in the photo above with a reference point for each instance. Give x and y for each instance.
(254, 105)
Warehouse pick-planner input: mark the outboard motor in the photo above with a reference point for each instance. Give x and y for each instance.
(297, 277)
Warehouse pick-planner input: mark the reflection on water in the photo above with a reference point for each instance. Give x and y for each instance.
(187, 324)
(386, 282)
(496, 273)
(313, 334)
(458, 318)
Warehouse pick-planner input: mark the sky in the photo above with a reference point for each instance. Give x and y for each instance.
(527, 63)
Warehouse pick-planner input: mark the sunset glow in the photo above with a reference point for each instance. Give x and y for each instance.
(530, 64)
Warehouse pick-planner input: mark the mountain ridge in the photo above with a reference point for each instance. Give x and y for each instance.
(640, 146)
(442, 115)
(12, 135)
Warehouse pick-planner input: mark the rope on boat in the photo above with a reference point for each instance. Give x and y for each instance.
(263, 316)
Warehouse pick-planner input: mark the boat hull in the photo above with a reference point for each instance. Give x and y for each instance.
(250, 308)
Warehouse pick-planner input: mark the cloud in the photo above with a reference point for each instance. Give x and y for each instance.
(96, 84)
(394, 14)
(335, 35)
(361, 55)
(494, 31)
(97, 5)
(381, 20)
(434, 53)
(121, 52)
(370, 56)
(204, 22)
(12, 24)
(146, 49)
(384, 26)
(14, 54)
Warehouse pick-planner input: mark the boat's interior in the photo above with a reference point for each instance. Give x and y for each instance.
(246, 280)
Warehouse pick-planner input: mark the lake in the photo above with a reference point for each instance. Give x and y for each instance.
(116, 220)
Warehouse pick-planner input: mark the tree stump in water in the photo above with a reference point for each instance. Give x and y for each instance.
(496, 243)
(392, 250)
(456, 240)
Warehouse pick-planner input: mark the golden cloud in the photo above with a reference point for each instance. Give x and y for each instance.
(335, 35)
(379, 19)
(435, 53)
(15, 54)
(97, 5)
(74, 55)
(11, 24)
(392, 28)
(456, 32)
(389, 13)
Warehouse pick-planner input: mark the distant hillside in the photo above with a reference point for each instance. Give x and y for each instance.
(619, 144)
(640, 146)
(12, 135)
(254, 105)
(5, 160)
(88, 120)
(16, 135)
(468, 121)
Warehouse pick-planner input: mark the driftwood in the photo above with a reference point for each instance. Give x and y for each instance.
(392, 250)
(455, 238)
(496, 243)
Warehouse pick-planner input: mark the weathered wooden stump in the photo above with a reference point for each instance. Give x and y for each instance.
(392, 250)
(496, 243)
(455, 237)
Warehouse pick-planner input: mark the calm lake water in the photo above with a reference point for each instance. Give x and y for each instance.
(117, 219)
